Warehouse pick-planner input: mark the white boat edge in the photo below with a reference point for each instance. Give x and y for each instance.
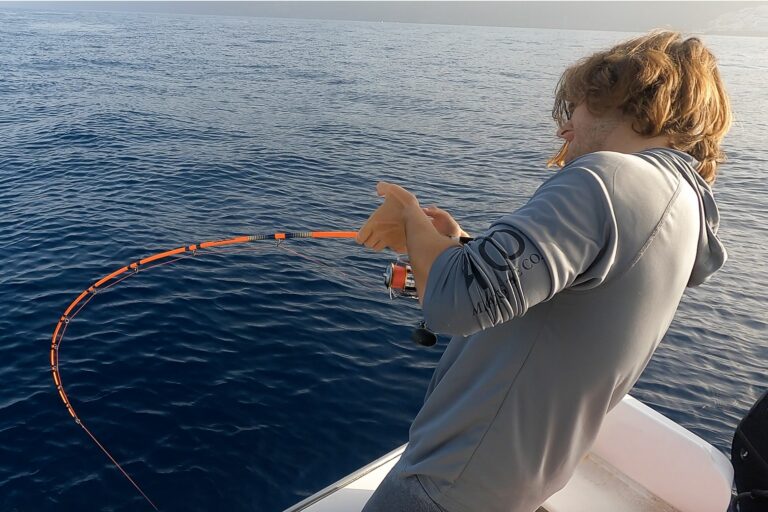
(641, 462)
(381, 465)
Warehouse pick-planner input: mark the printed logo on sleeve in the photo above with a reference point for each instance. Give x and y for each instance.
(499, 258)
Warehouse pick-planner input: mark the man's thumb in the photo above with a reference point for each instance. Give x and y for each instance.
(383, 188)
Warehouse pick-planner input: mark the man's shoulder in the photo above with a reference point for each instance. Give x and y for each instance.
(603, 161)
(592, 170)
(611, 160)
(644, 168)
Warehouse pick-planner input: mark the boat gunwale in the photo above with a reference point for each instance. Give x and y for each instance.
(344, 482)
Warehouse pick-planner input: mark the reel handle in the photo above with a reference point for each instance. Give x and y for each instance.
(423, 336)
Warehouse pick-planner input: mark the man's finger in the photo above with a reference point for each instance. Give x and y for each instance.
(364, 233)
(374, 243)
(379, 245)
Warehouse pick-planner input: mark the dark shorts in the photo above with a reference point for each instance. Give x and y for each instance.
(398, 493)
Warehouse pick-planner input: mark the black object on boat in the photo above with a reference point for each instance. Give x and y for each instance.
(749, 456)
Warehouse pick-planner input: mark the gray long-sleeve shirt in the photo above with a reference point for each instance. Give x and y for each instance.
(555, 312)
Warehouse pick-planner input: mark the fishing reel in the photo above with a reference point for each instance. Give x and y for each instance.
(399, 280)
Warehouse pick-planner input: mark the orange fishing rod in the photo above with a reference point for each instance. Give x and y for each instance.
(132, 268)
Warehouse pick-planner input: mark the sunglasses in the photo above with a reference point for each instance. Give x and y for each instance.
(568, 110)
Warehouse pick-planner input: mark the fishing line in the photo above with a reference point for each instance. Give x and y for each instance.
(323, 263)
(144, 264)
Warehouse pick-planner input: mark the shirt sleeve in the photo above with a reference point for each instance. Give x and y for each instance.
(564, 237)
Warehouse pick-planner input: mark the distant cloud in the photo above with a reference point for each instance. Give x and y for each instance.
(749, 21)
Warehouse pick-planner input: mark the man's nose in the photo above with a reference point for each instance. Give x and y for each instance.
(565, 131)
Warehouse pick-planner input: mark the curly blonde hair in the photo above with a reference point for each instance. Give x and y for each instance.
(668, 85)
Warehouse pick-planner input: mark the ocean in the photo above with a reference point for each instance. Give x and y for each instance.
(248, 379)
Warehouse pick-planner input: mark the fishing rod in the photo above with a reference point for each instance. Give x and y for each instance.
(400, 284)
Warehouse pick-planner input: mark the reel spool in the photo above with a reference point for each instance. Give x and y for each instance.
(399, 280)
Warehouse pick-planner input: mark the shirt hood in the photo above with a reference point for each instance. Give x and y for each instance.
(710, 252)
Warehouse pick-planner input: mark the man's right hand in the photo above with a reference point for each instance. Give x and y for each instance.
(443, 222)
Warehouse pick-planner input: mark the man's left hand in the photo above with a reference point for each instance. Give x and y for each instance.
(386, 226)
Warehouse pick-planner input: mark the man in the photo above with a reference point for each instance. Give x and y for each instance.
(555, 311)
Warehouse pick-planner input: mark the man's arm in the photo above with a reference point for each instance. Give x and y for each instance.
(565, 235)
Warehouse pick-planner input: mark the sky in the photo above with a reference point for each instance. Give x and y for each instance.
(726, 17)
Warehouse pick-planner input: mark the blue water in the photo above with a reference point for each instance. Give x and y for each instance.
(248, 380)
